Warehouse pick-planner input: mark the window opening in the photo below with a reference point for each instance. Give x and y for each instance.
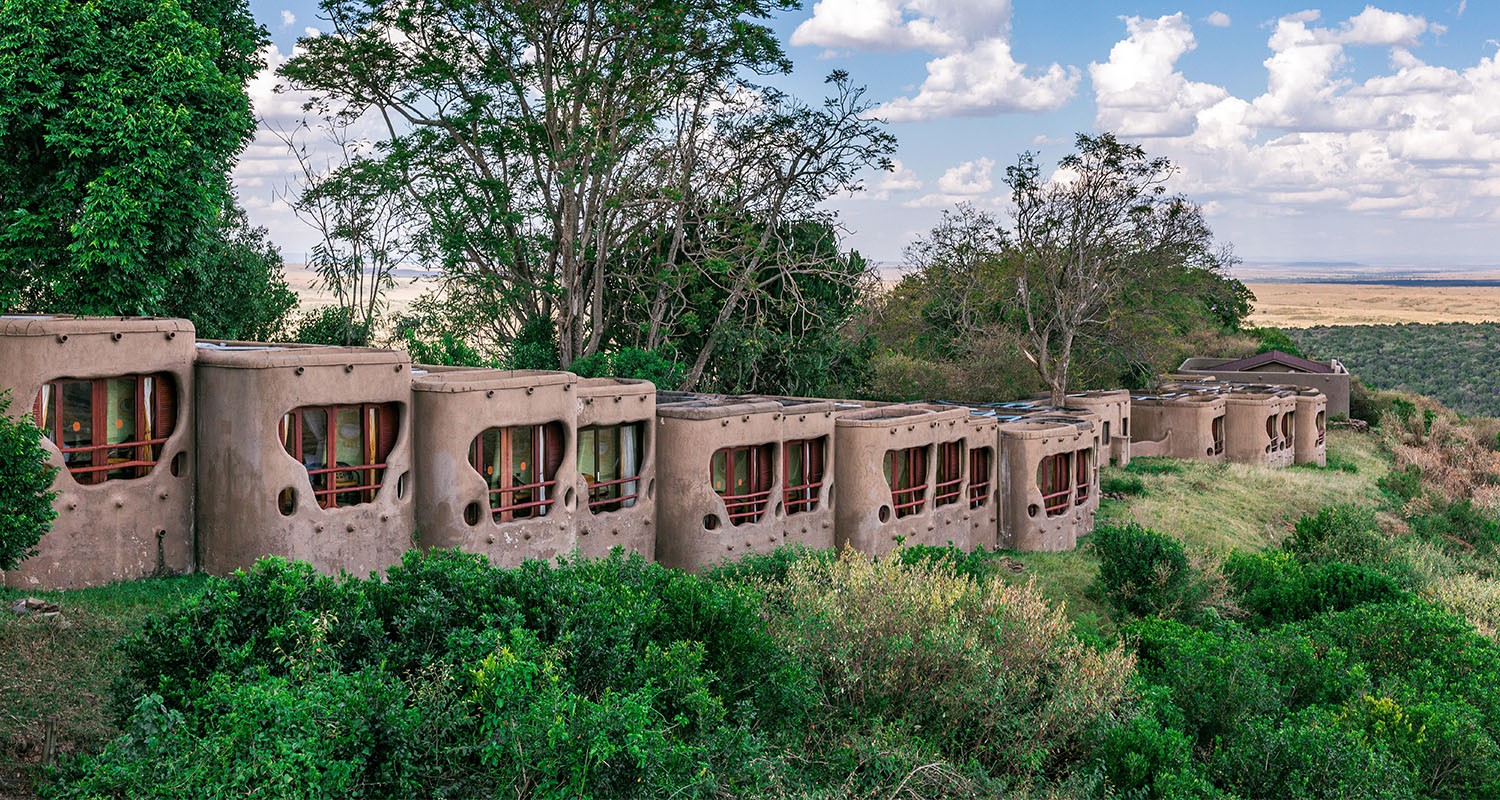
(950, 474)
(1322, 427)
(804, 474)
(1105, 438)
(609, 458)
(519, 464)
(108, 428)
(1084, 477)
(1217, 428)
(1271, 432)
(1052, 479)
(1288, 432)
(343, 448)
(742, 476)
(906, 472)
(979, 476)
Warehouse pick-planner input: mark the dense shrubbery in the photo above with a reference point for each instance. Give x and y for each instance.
(26, 510)
(1450, 362)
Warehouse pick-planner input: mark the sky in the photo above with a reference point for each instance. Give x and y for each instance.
(1341, 132)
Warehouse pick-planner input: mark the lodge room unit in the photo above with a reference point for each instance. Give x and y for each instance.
(1178, 424)
(1310, 445)
(982, 483)
(1048, 480)
(735, 472)
(1259, 425)
(901, 472)
(616, 463)
(1280, 369)
(1112, 407)
(114, 399)
(495, 461)
(304, 452)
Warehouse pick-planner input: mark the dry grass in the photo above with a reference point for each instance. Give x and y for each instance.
(1303, 305)
(1457, 457)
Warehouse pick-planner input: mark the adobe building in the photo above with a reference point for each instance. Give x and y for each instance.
(616, 466)
(1112, 407)
(1310, 445)
(495, 461)
(1048, 480)
(1178, 424)
(114, 399)
(1259, 425)
(736, 472)
(900, 476)
(986, 501)
(304, 452)
(1329, 377)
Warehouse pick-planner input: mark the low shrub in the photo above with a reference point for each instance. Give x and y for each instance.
(26, 495)
(1459, 523)
(1154, 466)
(1122, 484)
(1337, 533)
(1307, 755)
(1143, 573)
(1276, 588)
(1404, 484)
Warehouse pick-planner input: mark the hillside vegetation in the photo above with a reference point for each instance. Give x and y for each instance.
(1457, 364)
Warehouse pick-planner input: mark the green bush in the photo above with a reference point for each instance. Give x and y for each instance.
(447, 676)
(978, 564)
(1122, 484)
(1276, 587)
(332, 325)
(1275, 339)
(656, 366)
(1143, 573)
(1150, 758)
(1404, 485)
(1337, 533)
(1306, 755)
(1459, 523)
(26, 495)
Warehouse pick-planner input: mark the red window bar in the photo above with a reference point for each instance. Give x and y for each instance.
(1052, 480)
(1288, 429)
(950, 474)
(803, 468)
(979, 476)
(81, 416)
(1321, 427)
(906, 472)
(605, 451)
(314, 434)
(1271, 432)
(509, 459)
(742, 477)
(1084, 477)
(1217, 427)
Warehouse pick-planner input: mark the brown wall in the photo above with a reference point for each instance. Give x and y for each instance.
(1246, 440)
(984, 518)
(862, 439)
(612, 401)
(1113, 408)
(1334, 386)
(1175, 426)
(118, 529)
(1025, 443)
(1311, 446)
(243, 467)
(453, 407)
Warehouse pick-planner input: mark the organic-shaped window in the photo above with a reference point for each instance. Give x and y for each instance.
(108, 428)
(950, 474)
(742, 476)
(343, 447)
(1217, 428)
(1053, 479)
(804, 474)
(980, 459)
(1083, 476)
(906, 472)
(609, 458)
(520, 465)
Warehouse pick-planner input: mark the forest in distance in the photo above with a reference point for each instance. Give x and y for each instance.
(1455, 363)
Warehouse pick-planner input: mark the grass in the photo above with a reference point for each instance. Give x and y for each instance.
(1218, 507)
(64, 666)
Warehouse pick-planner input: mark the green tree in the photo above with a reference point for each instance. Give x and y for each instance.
(233, 287)
(26, 510)
(119, 122)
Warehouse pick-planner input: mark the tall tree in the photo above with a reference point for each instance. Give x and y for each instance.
(537, 141)
(119, 122)
(1098, 230)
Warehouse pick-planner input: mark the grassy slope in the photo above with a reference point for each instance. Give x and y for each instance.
(64, 665)
(1216, 507)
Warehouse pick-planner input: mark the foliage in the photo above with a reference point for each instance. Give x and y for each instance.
(1153, 466)
(1459, 523)
(1453, 363)
(233, 286)
(1144, 573)
(119, 122)
(982, 669)
(1275, 339)
(446, 675)
(1404, 484)
(631, 362)
(1122, 484)
(331, 325)
(26, 495)
(1276, 588)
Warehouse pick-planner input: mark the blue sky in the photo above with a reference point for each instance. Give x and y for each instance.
(1328, 132)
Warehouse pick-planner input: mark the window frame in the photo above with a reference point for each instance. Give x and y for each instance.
(1083, 475)
(614, 491)
(374, 463)
(912, 457)
(748, 506)
(803, 489)
(147, 412)
(948, 490)
(1059, 467)
(507, 512)
(980, 461)
(1216, 432)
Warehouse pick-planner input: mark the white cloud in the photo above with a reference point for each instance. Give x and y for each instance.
(288, 19)
(310, 31)
(1138, 90)
(970, 177)
(974, 73)
(1218, 19)
(901, 178)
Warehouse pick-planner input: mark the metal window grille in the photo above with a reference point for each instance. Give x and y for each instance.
(803, 468)
(1052, 480)
(1288, 429)
(1084, 475)
(108, 428)
(742, 477)
(349, 475)
(1271, 432)
(520, 465)
(950, 474)
(979, 476)
(607, 492)
(1322, 427)
(906, 471)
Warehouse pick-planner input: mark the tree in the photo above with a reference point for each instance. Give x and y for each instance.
(552, 150)
(1102, 228)
(119, 122)
(26, 511)
(233, 287)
